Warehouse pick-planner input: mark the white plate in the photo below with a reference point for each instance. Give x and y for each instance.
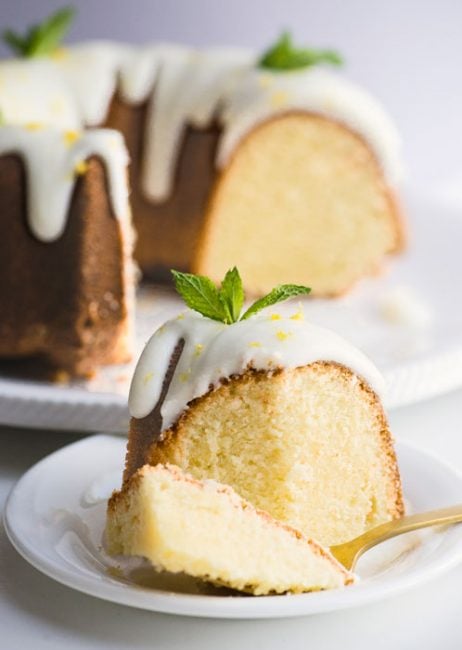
(418, 361)
(55, 518)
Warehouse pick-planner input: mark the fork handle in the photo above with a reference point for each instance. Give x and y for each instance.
(370, 538)
(349, 552)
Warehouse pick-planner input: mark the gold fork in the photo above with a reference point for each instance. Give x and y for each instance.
(349, 552)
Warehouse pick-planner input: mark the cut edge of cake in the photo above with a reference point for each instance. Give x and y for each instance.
(234, 199)
(188, 444)
(206, 530)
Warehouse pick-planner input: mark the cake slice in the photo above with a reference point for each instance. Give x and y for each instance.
(206, 530)
(285, 412)
(310, 445)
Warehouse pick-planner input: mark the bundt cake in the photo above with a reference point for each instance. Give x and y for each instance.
(283, 411)
(275, 164)
(206, 530)
(66, 273)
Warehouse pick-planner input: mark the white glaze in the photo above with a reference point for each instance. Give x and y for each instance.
(53, 159)
(91, 71)
(189, 90)
(264, 94)
(35, 91)
(213, 351)
(184, 86)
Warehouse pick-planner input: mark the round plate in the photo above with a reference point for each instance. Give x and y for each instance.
(420, 355)
(55, 518)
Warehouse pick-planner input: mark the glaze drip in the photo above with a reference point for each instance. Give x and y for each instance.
(261, 95)
(53, 160)
(184, 87)
(213, 351)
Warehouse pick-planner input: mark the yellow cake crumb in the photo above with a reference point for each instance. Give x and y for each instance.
(265, 81)
(81, 168)
(59, 53)
(299, 314)
(57, 105)
(70, 136)
(34, 126)
(279, 99)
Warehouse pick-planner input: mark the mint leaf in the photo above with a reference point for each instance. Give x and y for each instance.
(16, 43)
(46, 37)
(232, 294)
(200, 294)
(225, 304)
(283, 292)
(283, 55)
(41, 39)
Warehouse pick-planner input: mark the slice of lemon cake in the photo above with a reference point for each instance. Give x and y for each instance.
(206, 530)
(284, 411)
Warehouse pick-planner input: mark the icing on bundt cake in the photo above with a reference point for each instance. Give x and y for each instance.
(206, 530)
(67, 289)
(286, 171)
(285, 412)
(50, 185)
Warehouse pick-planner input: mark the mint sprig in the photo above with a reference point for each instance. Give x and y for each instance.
(283, 56)
(200, 294)
(232, 294)
(225, 304)
(41, 39)
(278, 294)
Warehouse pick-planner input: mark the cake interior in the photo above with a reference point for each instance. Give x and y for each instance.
(311, 191)
(309, 445)
(208, 531)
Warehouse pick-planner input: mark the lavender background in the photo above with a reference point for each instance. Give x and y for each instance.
(407, 52)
